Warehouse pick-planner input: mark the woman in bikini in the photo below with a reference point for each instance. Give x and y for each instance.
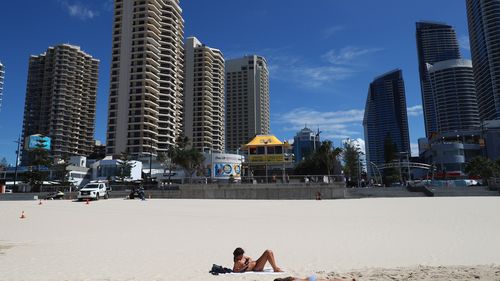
(244, 263)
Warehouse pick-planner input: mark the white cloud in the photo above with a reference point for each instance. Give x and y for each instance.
(348, 54)
(293, 68)
(316, 77)
(415, 111)
(414, 149)
(333, 124)
(78, 10)
(464, 43)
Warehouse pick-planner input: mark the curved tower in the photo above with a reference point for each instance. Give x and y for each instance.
(386, 115)
(484, 32)
(452, 84)
(435, 42)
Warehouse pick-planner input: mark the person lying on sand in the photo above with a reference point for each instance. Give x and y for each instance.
(244, 263)
(311, 278)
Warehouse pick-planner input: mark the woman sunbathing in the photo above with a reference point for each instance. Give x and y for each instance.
(311, 278)
(244, 263)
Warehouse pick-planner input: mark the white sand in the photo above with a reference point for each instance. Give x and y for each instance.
(181, 239)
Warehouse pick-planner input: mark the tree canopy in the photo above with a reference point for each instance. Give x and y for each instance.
(187, 157)
(483, 168)
(353, 166)
(323, 161)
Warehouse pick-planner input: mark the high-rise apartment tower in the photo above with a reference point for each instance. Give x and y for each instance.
(452, 84)
(247, 100)
(204, 103)
(146, 87)
(61, 99)
(484, 35)
(385, 116)
(435, 42)
(2, 77)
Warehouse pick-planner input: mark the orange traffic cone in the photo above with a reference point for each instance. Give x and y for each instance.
(87, 202)
(40, 203)
(22, 215)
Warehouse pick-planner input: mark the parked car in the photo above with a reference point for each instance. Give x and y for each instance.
(94, 191)
(55, 195)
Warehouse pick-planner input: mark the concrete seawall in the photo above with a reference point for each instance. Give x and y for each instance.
(275, 192)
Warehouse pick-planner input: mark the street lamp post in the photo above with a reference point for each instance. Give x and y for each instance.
(150, 163)
(18, 141)
(378, 171)
(408, 164)
(265, 158)
(359, 171)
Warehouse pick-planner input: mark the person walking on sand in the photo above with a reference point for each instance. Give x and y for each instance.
(311, 278)
(244, 263)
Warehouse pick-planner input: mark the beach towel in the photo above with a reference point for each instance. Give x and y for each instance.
(267, 270)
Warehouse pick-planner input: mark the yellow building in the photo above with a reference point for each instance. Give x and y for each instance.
(267, 157)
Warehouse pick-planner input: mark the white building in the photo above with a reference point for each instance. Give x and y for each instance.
(109, 169)
(146, 87)
(204, 100)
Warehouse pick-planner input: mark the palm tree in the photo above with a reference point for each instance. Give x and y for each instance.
(328, 155)
(188, 158)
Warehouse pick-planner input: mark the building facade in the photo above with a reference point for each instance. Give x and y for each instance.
(61, 99)
(146, 87)
(385, 116)
(204, 103)
(2, 77)
(305, 143)
(435, 42)
(484, 19)
(449, 152)
(452, 85)
(267, 159)
(247, 100)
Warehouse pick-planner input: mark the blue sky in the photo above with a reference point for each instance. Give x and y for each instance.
(322, 54)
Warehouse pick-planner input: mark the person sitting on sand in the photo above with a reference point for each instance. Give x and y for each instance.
(310, 278)
(244, 263)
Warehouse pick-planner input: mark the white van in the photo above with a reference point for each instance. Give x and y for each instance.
(94, 191)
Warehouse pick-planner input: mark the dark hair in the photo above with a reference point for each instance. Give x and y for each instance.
(238, 252)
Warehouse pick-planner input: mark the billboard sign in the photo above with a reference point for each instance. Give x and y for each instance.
(225, 170)
(224, 165)
(34, 141)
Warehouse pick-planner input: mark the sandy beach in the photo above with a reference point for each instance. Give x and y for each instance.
(369, 239)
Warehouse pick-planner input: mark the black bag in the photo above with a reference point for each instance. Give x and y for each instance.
(218, 269)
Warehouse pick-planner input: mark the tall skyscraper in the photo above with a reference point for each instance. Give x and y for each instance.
(61, 99)
(385, 115)
(204, 113)
(435, 42)
(247, 100)
(2, 77)
(484, 20)
(453, 88)
(145, 97)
